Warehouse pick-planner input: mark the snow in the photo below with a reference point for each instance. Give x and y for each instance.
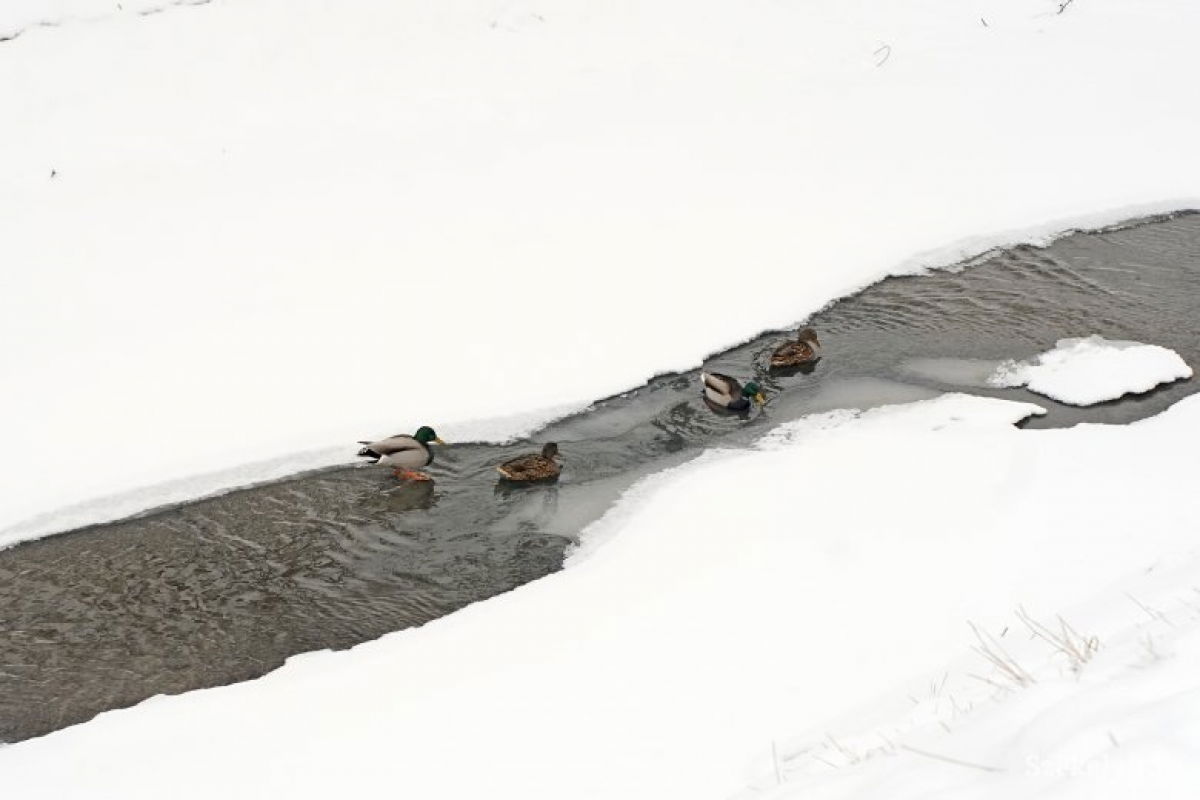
(1124, 722)
(728, 611)
(1086, 371)
(20, 16)
(244, 230)
(133, 501)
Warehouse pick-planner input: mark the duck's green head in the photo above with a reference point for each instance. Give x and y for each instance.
(754, 391)
(426, 434)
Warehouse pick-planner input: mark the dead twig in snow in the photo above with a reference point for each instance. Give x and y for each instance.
(950, 760)
(1150, 612)
(1063, 6)
(829, 764)
(991, 650)
(1078, 649)
(989, 682)
(886, 49)
(846, 752)
(1151, 651)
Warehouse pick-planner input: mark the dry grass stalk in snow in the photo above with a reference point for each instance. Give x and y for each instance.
(1152, 613)
(991, 650)
(1078, 649)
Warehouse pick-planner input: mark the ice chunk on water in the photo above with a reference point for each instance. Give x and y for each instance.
(1083, 372)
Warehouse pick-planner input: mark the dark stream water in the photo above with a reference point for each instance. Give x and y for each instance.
(224, 589)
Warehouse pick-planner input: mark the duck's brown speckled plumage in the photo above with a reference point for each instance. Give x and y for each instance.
(532, 467)
(804, 350)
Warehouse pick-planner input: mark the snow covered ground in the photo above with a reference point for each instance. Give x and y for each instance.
(733, 614)
(238, 231)
(1112, 713)
(18, 17)
(1086, 371)
(240, 234)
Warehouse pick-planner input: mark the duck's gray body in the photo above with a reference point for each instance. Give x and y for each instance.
(401, 452)
(724, 391)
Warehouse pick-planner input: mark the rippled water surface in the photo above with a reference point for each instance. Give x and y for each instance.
(226, 588)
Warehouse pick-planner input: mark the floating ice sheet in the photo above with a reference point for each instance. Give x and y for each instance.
(1083, 372)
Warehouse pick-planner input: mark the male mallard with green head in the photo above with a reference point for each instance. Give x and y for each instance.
(532, 467)
(805, 350)
(406, 454)
(724, 391)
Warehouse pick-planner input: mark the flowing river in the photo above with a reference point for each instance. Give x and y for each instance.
(224, 589)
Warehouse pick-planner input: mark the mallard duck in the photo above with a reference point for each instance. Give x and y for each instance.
(407, 454)
(533, 466)
(805, 350)
(726, 392)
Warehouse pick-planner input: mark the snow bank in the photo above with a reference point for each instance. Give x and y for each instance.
(1111, 713)
(246, 229)
(133, 501)
(1083, 372)
(20, 16)
(724, 606)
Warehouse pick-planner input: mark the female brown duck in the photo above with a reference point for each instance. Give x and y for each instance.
(532, 467)
(805, 350)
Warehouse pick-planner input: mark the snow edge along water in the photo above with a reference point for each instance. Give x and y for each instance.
(149, 498)
(967, 416)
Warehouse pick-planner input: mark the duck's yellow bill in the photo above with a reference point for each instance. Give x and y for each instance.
(438, 440)
(760, 399)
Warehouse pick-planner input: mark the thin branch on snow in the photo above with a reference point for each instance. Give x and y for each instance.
(991, 650)
(1153, 613)
(950, 760)
(1151, 651)
(989, 681)
(829, 764)
(1078, 649)
(846, 752)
